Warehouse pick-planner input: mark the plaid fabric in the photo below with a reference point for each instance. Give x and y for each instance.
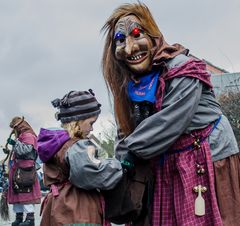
(105, 221)
(174, 197)
(192, 68)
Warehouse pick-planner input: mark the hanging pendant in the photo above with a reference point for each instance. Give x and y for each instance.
(199, 202)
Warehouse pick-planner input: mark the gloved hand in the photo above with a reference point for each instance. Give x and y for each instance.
(11, 141)
(5, 150)
(128, 163)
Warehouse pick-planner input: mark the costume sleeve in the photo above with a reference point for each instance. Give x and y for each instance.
(154, 135)
(120, 146)
(87, 172)
(24, 151)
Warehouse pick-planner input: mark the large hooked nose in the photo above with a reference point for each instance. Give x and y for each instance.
(131, 46)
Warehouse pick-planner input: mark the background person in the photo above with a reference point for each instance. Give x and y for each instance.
(24, 189)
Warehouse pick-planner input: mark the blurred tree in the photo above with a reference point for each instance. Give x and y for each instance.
(108, 146)
(230, 103)
(107, 138)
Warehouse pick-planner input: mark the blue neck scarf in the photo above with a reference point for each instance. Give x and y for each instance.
(144, 90)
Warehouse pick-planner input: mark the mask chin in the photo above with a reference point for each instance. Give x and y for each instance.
(140, 73)
(142, 68)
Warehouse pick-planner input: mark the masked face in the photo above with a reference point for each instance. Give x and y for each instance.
(133, 45)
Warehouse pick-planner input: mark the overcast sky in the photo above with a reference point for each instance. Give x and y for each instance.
(50, 47)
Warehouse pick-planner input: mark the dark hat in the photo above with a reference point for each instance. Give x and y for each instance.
(77, 105)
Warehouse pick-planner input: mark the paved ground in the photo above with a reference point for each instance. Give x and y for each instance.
(12, 217)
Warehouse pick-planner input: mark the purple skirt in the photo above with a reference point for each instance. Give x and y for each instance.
(33, 197)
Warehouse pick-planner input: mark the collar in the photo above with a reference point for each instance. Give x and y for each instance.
(145, 89)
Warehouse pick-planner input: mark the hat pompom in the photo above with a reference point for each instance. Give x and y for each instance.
(91, 91)
(56, 103)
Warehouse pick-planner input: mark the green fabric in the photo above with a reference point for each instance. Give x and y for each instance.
(11, 141)
(127, 163)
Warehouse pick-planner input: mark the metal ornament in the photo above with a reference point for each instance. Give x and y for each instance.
(199, 207)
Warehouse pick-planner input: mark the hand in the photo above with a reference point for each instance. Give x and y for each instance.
(130, 159)
(128, 168)
(128, 163)
(11, 141)
(5, 150)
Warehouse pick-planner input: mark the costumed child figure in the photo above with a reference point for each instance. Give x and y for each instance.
(71, 168)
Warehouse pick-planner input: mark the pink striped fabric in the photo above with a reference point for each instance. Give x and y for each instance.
(174, 197)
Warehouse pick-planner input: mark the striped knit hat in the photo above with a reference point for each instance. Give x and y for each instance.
(76, 105)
